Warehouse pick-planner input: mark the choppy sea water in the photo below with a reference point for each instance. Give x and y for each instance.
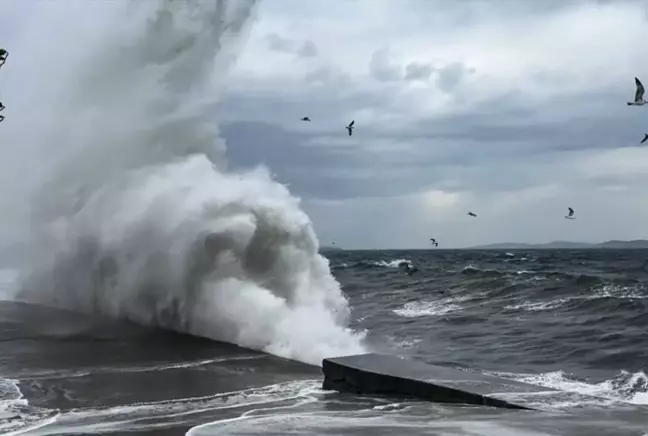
(572, 320)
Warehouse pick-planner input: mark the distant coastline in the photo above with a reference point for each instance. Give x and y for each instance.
(614, 244)
(554, 245)
(329, 248)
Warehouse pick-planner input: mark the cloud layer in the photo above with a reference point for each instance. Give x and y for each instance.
(514, 110)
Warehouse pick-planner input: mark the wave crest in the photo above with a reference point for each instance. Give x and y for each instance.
(142, 221)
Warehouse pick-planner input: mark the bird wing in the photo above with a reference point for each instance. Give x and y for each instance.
(645, 138)
(353, 122)
(571, 211)
(640, 90)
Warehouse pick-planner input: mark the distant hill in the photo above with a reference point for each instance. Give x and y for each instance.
(639, 243)
(328, 248)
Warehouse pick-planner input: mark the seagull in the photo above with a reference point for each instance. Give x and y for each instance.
(305, 119)
(472, 214)
(350, 127)
(638, 100)
(645, 138)
(571, 214)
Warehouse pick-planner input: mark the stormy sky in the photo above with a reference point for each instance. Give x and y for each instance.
(514, 110)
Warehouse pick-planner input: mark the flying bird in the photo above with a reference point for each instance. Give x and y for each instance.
(472, 214)
(638, 100)
(4, 54)
(350, 127)
(645, 138)
(571, 214)
(305, 119)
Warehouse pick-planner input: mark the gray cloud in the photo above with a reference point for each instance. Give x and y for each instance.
(324, 172)
(450, 76)
(308, 50)
(279, 43)
(301, 49)
(503, 107)
(381, 67)
(416, 71)
(459, 112)
(500, 145)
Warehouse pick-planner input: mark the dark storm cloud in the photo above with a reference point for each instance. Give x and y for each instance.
(324, 171)
(307, 169)
(510, 108)
(335, 172)
(507, 120)
(498, 146)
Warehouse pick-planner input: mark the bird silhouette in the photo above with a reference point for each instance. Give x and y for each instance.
(350, 127)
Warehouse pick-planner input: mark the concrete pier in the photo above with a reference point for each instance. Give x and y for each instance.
(389, 375)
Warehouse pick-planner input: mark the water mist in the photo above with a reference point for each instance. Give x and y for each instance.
(136, 214)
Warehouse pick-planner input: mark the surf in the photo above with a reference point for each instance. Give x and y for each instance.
(135, 213)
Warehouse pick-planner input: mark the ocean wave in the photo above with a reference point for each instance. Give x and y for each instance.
(609, 293)
(139, 218)
(626, 387)
(16, 415)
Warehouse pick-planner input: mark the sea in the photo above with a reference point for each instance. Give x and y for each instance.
(567, 319)
(150, 286)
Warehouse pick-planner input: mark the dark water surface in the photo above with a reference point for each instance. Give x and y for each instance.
(86, 374)
(572, 320)
(583, 312)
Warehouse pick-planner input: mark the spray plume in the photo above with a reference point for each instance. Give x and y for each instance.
(136, 215)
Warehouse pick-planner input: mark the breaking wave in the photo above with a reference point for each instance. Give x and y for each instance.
(136, 215)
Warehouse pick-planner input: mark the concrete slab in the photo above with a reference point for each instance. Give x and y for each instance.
(390, 375)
